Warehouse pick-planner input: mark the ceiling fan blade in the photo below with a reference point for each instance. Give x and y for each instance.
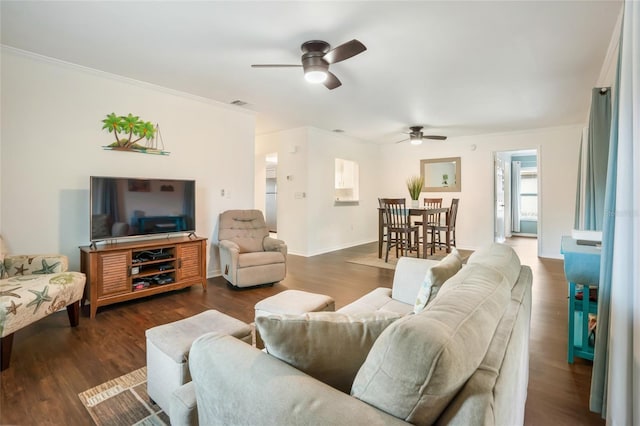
(344, 51)
(435, 137)
(275, 66)
(403, 140)
(332, 81)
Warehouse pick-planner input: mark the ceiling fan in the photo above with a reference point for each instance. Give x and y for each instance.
(317, 55)
(416, 136)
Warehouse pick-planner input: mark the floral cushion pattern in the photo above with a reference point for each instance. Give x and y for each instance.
(39, 264)
(25, 299)
(2, 270)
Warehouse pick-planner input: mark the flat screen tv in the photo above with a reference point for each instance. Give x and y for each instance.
(132, 207)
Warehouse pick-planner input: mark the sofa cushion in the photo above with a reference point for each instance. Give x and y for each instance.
(420, 362)
(329, 346)
(499, 257)
(378, 299)
(497, 391)
(29, 298)
(435, 277)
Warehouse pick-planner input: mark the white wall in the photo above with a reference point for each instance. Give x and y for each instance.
(292, 174)
(308, 218)
(557, 167)
(52, 142)
(332, 225)
(264, 145)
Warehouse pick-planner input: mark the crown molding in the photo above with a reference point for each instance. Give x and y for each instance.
(5, 49)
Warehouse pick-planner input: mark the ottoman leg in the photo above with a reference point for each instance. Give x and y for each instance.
(7, 344)
(73, 310)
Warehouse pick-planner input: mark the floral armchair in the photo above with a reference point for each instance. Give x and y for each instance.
(31, 288)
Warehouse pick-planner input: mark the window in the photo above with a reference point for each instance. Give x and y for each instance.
(529, 193)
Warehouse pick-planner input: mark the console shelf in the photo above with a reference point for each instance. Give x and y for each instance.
(125, 271)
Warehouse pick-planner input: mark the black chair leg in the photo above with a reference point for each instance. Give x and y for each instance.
(389, 243)
(6, 343)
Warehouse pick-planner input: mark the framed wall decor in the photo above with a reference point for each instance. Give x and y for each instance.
(441, 174)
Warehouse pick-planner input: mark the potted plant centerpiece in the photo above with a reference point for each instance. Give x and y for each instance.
(414, 185)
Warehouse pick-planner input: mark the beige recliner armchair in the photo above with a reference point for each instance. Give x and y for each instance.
(248, 256)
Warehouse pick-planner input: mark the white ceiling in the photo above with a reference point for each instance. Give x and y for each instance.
(458, 68)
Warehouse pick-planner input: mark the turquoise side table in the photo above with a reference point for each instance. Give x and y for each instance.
(582, 270)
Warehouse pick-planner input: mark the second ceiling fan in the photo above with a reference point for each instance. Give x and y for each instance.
(416, 136)
(317, 55)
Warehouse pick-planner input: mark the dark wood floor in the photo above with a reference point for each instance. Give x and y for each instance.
(52, 363)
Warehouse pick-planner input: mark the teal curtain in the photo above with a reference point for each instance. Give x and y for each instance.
(615, 383)
(597, 157)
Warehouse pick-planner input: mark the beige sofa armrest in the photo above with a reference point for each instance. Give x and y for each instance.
(241, 385)
(273, 244)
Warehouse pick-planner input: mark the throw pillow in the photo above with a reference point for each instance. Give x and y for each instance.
(435, 277)
(329, 346)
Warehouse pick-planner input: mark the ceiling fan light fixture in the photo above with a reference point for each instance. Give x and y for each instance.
(315, 76)
(416, 141)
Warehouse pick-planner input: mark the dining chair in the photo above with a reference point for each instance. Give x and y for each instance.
(400, 233)
(449, 228)
(384, 224)
(432, 219)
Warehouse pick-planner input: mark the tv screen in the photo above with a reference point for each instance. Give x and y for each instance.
(130, 207)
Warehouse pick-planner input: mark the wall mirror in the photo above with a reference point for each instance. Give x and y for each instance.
(441, 174)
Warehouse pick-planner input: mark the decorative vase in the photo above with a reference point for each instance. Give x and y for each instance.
(415, 204)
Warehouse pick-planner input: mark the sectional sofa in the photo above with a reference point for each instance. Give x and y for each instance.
(462, 359)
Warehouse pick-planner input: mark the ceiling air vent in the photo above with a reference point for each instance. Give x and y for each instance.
(238, 102)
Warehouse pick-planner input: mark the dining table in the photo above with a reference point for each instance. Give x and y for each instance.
(413, 211)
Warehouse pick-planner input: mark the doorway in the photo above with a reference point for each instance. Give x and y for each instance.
(271, 192)
(516, 195)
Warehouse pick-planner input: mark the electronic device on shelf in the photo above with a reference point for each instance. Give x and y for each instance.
(162, 279)
(150, 255)
(165, 266)
(159, 256)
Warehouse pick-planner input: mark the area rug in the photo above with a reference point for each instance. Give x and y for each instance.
(373, 259)
(123, 401)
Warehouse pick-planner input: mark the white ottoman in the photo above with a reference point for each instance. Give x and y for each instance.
(168, 348)
(292, 302)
